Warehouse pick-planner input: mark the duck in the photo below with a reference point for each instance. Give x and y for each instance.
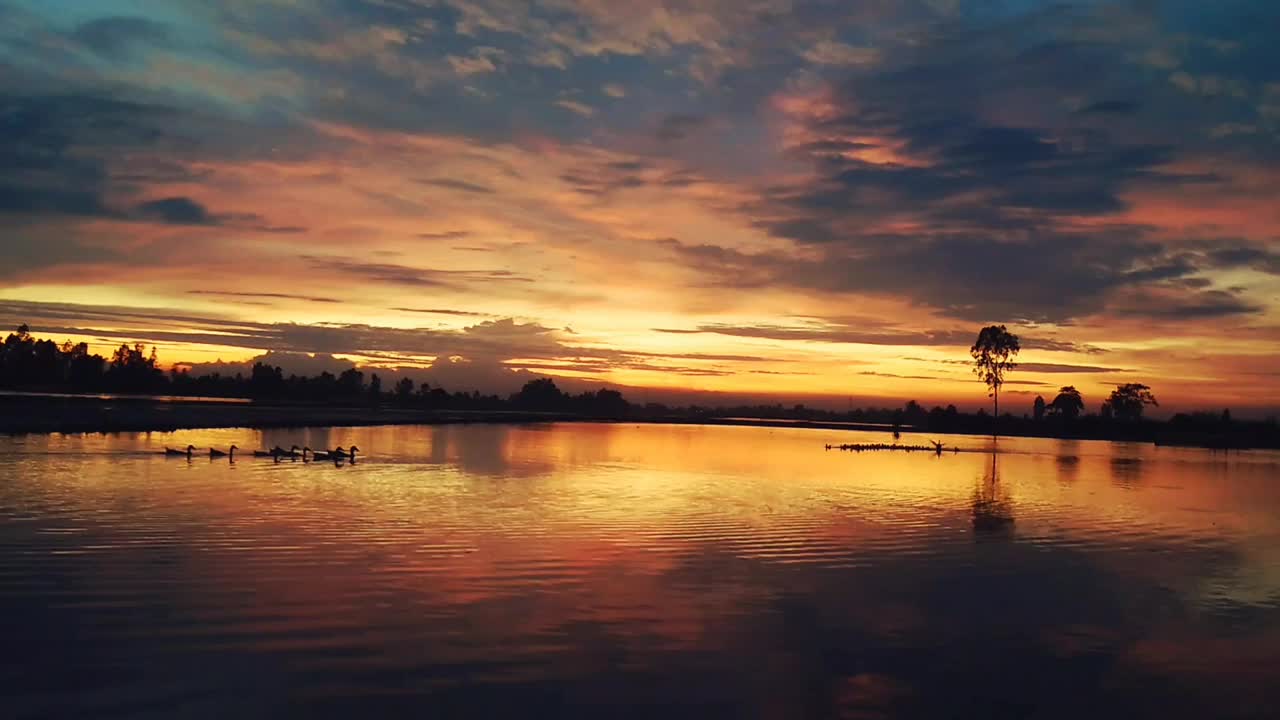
(315, 454)
(278, 452)
(230, 454)
(345, 454)
(170, 452)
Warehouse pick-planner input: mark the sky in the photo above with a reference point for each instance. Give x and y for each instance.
(815, 199)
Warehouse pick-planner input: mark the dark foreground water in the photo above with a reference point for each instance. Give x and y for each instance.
(603, 571)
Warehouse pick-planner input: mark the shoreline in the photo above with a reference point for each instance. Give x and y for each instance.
(42, 415)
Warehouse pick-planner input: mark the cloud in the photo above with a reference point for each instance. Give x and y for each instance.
(678, 126)
(1166, 304)
(464, 186)
(263, 296)
(1255, 258)
(1111, 107)
(828, 52)
(440, 311)
(480, 60)
(1066, 368)
(175, 211)
(445, 235)
(395, 274)
(119, 37)
(1090, 167)
(577, 108)
(833, 334)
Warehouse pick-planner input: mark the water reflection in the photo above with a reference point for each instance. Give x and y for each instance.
(1126, 470)
(992, 505)
(617, 570)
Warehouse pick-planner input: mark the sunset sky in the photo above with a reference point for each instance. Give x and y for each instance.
(809, 198)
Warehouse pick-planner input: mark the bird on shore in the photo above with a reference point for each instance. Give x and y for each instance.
(170, 452)
(230, 454)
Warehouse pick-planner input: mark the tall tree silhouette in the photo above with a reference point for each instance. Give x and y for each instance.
(993, 354)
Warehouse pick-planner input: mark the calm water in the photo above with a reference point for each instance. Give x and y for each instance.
(620, 571)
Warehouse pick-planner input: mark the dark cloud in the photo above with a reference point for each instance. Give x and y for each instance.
(678, 126)
(1049, 277)
(995, 206)
(55, 156)
(1256, 258)
(835, 334)
(174, 211)
(1208, 304)
(27, 249)
(901, 377)
(1111, 107)
(263, 296)
(440, 311)
(118, 37)
(872, 332)
(462, 185)
(1066, 368)
(396, 274)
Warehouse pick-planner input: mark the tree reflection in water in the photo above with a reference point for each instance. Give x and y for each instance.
(992, 506)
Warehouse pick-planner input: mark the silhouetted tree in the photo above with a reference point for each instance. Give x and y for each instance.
(404, 389)
(84, 369)
(914, 414)
(993, 354)
(351, 382)
(1068, 404)
(132, 369)
(1037, 409)
(266, 381)
(541, 394)
(1127, 402)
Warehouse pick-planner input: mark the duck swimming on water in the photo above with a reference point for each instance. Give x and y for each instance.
(170, 452)
(345, 454)
(231, 454)
(278, 452)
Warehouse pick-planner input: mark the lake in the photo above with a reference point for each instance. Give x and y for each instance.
(594, 570)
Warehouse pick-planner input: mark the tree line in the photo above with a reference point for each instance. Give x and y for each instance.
(27, 363)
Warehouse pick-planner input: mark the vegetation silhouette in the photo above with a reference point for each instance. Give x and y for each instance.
(993, 354)
(42, 366)
(1128, 402)
(1068, 404)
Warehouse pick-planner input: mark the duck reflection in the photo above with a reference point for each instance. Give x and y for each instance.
(992, 506)
(1126, 469)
